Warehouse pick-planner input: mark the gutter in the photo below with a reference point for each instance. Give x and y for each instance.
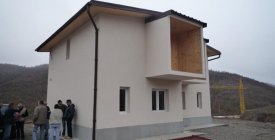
(213, 49)
(215, 58)
(95, 70)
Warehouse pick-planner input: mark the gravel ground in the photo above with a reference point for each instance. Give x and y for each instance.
(239, 130)
(235, 130)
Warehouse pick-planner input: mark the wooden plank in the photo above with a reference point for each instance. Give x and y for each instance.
(185, 47)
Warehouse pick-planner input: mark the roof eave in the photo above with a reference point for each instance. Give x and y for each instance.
(175, 13)
(83, 9)
(217, 52)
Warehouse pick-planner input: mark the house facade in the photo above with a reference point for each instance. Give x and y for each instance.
(152, 71)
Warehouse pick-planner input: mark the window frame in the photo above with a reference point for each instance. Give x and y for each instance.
(199, 100)
(156, 101)
(126, 100)
(68, 49)
(183, 97)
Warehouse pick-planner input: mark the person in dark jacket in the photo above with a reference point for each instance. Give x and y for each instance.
(48, 117)
(63, 108)
(23, 114)
(8, 121)
(1, 122)
(68, 116)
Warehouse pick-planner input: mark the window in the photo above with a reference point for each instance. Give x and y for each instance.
(124, 99)
(159, 100)
(68, 47)
(51, 55)
(183, 100)
(199, 100)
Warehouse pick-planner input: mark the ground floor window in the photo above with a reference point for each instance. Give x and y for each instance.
(124, 99)
(183, 100)
(199, 100)
(159, 99)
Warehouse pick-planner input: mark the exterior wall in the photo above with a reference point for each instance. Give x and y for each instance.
(73, 78)
(121, 63)
(191, 90)
(157, 35)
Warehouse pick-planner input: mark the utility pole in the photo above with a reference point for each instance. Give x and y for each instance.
(241, 91)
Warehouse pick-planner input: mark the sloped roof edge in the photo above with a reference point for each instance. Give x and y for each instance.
(154, 15)
(172, 12)
(100, 4)
(216, 52)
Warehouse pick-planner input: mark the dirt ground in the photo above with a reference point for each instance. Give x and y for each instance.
(239, 130)
(235, 130)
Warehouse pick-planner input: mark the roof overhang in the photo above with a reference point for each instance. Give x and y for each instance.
(81, 17)
(177, 14)
(96, 7)
(212, 51)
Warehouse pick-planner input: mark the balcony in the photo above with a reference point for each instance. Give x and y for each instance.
(174, 49)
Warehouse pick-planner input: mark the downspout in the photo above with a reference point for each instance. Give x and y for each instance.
(95, 71)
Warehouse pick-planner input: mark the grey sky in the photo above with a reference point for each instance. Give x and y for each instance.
(243, 30)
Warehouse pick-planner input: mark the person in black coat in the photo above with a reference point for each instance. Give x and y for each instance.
(9, 120)
(68, 116)
(63, 108)
(1, 123)
(23, 114)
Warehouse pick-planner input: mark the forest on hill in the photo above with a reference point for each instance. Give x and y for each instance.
(227, 102)
(25, 85)
(29, 85)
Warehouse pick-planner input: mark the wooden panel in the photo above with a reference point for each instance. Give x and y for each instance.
(186, 51)
(174, 53)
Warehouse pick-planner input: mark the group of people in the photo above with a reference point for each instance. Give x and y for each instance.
(45, 119)
(12, 120)
(48, 122)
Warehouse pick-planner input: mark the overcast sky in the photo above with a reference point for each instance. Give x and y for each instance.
(243, 30)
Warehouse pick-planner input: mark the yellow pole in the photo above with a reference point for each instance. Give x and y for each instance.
(241, 91)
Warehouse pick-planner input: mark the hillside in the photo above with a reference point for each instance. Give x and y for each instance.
(29, 84)
(23, 84)
(257, 94)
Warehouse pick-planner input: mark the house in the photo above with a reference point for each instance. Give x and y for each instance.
(131, 72)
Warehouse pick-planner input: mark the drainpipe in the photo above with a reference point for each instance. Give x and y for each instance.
(95, 71)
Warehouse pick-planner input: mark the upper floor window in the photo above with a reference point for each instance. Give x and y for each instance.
(51, 55)
(159, 99)
(68, 47)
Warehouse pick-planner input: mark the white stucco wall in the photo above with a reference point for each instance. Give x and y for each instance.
(158, 50)
(191, 94)
(73, 78)
(123, 56)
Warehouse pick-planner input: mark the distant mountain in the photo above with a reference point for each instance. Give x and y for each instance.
(226, 102)
(23, 84)
(29, 84)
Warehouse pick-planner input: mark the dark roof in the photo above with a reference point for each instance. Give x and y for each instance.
(122, 7)
(154, 15)
(175, 13)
